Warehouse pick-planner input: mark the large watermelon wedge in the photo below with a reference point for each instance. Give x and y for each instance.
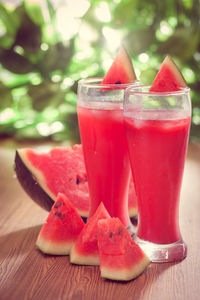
(168, 78)
(120, 257)
(85, 249)
(61, 170)
(61, 229)
(121, 70)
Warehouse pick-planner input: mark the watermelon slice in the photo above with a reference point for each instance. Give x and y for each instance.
(85, 250)
(169, 78)
(120, 257)
(61, 229)
(121, 70)
(62, 169)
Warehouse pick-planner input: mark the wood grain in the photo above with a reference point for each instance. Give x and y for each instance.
(25, 273)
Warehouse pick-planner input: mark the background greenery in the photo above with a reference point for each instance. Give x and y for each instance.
(47, 46)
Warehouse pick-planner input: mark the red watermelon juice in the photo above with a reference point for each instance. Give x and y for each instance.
(157, 149)
(100, 116)
(106, 158)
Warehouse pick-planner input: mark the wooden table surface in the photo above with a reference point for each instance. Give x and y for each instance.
(25, 273)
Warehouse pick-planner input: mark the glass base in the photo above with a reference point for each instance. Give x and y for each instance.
(161, 253)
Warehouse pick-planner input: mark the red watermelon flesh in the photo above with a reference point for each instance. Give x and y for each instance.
(85, 249)
(62, 170)
(169, 78)
(61, 229)
(120, 257)
(121, 70)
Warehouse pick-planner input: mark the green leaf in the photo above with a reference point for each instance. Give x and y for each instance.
(125, 13)
(6, 41)
(13, 80)
(29, 35)
(9, 19)
(183, 43)
(34, 11)
(138, 41)
(57, 57)
(46, 94)
(6, 99)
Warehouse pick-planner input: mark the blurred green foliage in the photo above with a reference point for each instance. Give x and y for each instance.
(47, 46)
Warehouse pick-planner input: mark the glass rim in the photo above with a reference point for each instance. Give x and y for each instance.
(131, 90)
(92, 82)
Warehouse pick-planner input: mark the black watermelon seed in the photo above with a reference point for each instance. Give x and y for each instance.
(78, 180)
(59, 215)
(118, 82)
(120, 231)
(58, 204)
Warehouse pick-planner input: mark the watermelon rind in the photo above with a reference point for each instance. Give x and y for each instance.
(121, 71)
(30, 184)
(126, 274)
(80, 259)
(120, 257)
(37, 174)
(85, 249)
(61, 229)
(168, 82)
(49, 247)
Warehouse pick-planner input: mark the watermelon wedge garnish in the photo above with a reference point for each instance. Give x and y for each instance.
(60, 170)
(120, 257)
(168, 78)
(85, 249)
(61, 229)
(121, 70)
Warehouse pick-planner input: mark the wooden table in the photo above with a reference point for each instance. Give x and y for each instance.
(25, 273)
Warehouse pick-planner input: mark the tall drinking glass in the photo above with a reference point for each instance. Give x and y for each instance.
(100, 116)
(157, 129)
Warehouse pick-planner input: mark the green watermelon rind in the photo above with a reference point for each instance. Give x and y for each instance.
(37, 174)
(27, 181)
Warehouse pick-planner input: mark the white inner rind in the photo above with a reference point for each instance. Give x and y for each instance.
(49, 247)
(124, 57)
(125, 274)
(79, 259)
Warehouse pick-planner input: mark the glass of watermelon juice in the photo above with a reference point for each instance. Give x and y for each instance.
(100, 116)
(157, 129)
